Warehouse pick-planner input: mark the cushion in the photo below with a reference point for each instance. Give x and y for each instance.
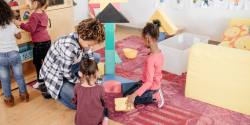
(242, 42)
(112, 86)
(235, 31)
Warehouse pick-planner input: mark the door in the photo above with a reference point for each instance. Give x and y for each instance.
(61, 22)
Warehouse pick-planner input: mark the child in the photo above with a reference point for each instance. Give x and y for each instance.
(38, 22)
(148, 90)
(9, 56)
(90, 98)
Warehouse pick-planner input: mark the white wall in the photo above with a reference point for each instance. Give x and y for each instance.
(208, 22)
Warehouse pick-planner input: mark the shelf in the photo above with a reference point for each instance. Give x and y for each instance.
(18, 8)
(27, 60)
(29, 76)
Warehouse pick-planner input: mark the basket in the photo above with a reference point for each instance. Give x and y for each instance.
(26, 52)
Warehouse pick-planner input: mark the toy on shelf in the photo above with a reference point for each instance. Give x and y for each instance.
(25, 6)
(130, 53)
(13, 3)
(26, 16)
(112, 86)
(120, 104)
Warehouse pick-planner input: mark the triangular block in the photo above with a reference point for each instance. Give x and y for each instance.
(108, 1)
(167, 25)
(126, 83)
(117, 58)
(111, 15)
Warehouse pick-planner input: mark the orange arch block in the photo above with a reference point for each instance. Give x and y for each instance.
(112, 86)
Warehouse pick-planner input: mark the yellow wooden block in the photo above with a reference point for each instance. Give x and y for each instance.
(108, 1)
(167, 25)
(101, 67)
(219, 76)
(120, 104)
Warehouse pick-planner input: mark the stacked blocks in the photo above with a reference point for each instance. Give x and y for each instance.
(120, 104)
(125, 83)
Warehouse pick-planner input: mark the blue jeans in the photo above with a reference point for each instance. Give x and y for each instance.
(67, 90)
(11, 60)
(146, 97)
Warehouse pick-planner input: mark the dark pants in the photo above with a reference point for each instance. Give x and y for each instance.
(106, 113)
(39, 52)
(146, 97)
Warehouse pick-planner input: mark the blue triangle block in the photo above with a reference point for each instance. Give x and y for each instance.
(126, 83)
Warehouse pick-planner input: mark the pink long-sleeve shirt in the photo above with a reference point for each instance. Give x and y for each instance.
(151, 76)
(38, 23)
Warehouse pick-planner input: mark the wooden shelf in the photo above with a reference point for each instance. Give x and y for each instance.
(18, 8)
(27, 60)
(29, 76)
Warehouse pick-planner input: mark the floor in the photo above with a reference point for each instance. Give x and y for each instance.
(41, 111)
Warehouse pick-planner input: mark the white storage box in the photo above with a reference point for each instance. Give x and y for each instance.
(176, 49)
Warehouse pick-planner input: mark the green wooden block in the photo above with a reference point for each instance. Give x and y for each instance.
(110, 61)
(117, 58)
(110, 36)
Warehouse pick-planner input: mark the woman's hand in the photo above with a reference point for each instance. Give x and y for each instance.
(17, 22)
(131, 100)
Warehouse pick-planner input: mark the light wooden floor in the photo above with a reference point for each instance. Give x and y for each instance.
(40, 111)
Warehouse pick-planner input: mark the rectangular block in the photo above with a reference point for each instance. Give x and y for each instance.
(126, 83)
(120, 104)
(110, 61)
(175, 51)
(110, 36)
(101, 67)
(219, 76)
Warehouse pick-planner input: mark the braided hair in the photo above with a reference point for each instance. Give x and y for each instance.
(152, 29)
(88, 67)
(92, 29)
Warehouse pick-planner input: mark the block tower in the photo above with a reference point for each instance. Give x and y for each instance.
(109, 14)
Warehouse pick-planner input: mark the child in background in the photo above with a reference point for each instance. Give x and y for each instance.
(9, 56)
(148, 90)
(38, 23)
(89, 98)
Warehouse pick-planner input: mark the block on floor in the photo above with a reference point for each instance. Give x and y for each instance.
(125, 83)
(101, 67)
(120, 104)
(112, 86)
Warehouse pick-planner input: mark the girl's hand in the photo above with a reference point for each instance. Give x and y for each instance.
(17, 22)
(131, 100)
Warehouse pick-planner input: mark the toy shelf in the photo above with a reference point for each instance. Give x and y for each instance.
(19, 8)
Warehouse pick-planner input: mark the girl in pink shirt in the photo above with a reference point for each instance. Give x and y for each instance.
(148, 89)
(38, 22)
(89, 98)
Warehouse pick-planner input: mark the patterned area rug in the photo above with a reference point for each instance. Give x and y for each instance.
(177, 110)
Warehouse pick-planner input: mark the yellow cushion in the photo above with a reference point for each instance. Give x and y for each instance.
(241, 43)
(219, 76)
(235, 31)
(226, 44)
(101, 67)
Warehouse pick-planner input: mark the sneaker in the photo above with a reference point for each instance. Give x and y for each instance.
(46, 95)
(37, 84)
(105, 121)
(42, 88)
(9, 101)
(24, 96)
(159, 97)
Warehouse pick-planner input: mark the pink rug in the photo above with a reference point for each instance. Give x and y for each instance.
(177, 110)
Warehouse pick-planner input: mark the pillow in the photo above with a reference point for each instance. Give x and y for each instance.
(242, 42)
(235, 31)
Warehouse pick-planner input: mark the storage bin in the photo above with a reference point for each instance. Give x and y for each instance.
(26, 52)
(176, 49)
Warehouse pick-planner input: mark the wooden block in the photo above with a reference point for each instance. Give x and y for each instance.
(103, 5)
(167, 25)
(108, 1)
(101, 67)
(110, 62)
(110, 36)
(120, 104)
